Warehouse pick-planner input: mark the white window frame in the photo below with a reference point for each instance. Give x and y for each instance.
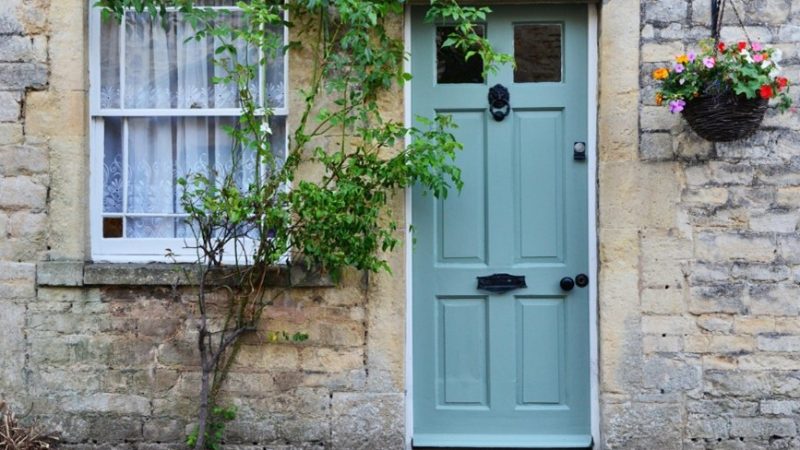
(140, 249)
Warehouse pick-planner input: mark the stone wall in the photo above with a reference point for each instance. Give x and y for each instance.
(699, 266)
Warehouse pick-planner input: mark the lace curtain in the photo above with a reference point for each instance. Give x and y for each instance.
(156, 67)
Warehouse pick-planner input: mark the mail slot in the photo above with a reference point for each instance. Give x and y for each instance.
(501, 282)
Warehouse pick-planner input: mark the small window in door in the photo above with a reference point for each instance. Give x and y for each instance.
(537, 50)
(451, 65)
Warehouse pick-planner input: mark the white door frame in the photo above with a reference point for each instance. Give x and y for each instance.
(594, 379)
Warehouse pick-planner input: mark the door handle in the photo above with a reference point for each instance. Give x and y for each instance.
(567, 283)
(501, 282)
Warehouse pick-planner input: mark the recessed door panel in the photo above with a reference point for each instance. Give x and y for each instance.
(539, 190)
(462, 215)
(540, 348)
(462, 351)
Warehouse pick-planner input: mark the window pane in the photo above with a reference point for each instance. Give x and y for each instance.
(450, 64)
(112, 227)
(537, 50)
(275, 86)
(112, 165)
(109, 64)
(165, 70)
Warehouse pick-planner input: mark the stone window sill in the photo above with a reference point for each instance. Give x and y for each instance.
(79, 273)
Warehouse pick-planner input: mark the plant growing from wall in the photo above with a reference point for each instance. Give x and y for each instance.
(340, 219)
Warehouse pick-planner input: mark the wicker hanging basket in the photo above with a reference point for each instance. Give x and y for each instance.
(718, 114)
(722, 116)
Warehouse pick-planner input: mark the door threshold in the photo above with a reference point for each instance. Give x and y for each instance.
(482, 441)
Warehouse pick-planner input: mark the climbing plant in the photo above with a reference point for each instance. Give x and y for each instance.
(339, 219)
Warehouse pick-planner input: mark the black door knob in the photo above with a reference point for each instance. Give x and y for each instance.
(567, 283)
(581, 280)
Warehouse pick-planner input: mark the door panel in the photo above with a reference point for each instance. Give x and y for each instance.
(464, 216)
(462, 351)
(539, 178)
(510, 369)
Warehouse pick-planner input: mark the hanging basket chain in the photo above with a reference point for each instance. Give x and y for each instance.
(741, 23)
(720, 12)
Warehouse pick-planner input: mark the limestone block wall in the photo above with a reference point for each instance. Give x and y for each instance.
(699, 247)
(24, 175)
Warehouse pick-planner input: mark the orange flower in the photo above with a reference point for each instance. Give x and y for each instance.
(659, 98)
(660, 74)
(682, 59)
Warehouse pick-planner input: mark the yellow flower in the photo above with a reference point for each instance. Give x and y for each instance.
(682, 59)
(660, 74)
(659, 98)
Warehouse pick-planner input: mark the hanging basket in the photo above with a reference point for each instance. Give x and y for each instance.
(724, 116)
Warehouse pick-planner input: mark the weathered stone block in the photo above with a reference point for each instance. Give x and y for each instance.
(108, 403)
(663, 301)
(22, 193)
(761, 272)
(761, 427)
(367, 421)
(23, 160)
(662, 344)
(706, 428)
(18, 279)
(19, 76)
(10, 133)
(661, 12)
(661, 52)
(728, 406)
(10, 106)
(668, 325)
(331, 360)
(778, 343)
(732, 246)
(23, 49)
(779, 407)
(716, 323)
(774, 300)
(672, 375)
(642, 425)
(736, 383)
(656, 147)
(766, 361)
(722, 298)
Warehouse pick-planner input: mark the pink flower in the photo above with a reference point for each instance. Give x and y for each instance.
(676, 106)
(678, 68)
(691, 56)
(758, 57)
(757, 47)
(709, 62)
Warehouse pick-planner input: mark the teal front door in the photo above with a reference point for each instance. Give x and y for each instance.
(505, 366)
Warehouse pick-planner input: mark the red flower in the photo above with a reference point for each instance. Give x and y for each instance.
(721, 46)
(782, 82)
(765, 91)
(742, 45)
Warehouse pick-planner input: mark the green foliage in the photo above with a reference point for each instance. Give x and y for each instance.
(216, 428)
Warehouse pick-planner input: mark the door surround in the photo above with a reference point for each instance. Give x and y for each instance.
(592, 108)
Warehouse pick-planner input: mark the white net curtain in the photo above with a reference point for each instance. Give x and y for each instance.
(161, 81)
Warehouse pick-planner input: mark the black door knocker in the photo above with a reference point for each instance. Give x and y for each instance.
(498, 102)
